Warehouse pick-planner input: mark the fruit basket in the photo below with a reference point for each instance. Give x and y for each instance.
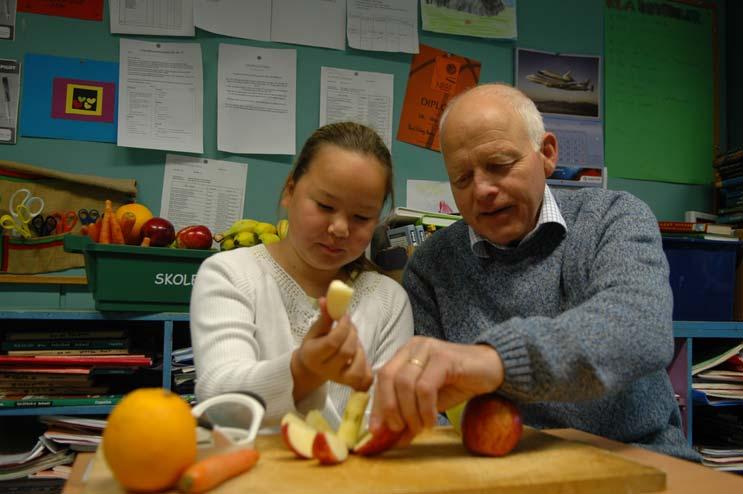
(132, 278)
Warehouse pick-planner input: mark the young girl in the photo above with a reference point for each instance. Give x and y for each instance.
(258, 316)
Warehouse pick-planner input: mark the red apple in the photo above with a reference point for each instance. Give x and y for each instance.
(329, 449)
(159, 230)
(194, 237)
(370, 445)
(491, 425)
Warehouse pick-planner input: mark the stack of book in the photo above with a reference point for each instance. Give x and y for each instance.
(184, 372)
(708, 231)
(65, 367)
(29, 462)
(717, 385)
(728, 184)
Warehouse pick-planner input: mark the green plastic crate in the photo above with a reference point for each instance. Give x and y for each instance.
(132, 278)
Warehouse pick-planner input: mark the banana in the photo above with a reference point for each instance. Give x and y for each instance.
(268, 238)
(282, 228)
(262, 228)
(245, 239)
(227, 244)
(242, 225)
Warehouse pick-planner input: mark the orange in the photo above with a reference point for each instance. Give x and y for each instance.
(150, 439)
(141, 213)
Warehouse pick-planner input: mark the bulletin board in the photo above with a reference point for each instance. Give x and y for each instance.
(574, 26)
(39, 34)
(661, 90)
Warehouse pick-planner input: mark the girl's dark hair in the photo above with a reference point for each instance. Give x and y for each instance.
(354, 137)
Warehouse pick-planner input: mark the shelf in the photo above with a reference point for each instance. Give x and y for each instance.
(708, 329)
(687, 332)
(166, 320)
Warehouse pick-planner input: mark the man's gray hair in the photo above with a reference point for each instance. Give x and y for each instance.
(520, 103)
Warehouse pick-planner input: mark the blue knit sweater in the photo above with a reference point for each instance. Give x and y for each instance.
(581, 318)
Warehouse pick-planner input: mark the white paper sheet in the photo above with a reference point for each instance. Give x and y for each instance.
(383, 25)
(310, 22)
(363, 97)
(10, 88)
(161, 94)
(198, 191)
(256, 100)
(430, 195)
(155, 17)
(7, 19)
(236, 18)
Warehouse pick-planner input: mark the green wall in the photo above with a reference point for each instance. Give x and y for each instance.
(569, 26)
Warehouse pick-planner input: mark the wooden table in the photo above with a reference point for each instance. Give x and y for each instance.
(681, 476)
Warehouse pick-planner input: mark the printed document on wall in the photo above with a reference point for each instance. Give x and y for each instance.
(256, 100)
(235, 18)
(153, 17)
(383, 25)
(7, 19)
(363, 97)
(309, 22)
(198, 191)
(161, 94)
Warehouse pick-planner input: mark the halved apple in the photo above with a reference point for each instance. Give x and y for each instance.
(370, 444)
(297, 435)
(338, 297)
(329, 449)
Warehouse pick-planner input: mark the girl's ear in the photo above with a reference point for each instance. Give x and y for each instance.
(287, 193)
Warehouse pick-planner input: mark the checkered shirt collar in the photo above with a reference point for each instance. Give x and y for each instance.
(549, 213)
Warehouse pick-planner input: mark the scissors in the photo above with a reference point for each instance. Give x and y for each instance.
(88, 216)
(65, 221)
(22, 211)
(44, 226)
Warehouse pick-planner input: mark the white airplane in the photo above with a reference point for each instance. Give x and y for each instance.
(557, 81)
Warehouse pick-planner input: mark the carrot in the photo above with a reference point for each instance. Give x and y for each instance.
(117, 236)
(127, 225)
(94, 231)
(105, 235)
(212, 471)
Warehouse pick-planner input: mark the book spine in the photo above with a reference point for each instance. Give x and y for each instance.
(681, 227)
(63, 344)
(63, 335)
(58, 402)
(68, 353)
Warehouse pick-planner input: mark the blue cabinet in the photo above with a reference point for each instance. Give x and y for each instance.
(165, 322)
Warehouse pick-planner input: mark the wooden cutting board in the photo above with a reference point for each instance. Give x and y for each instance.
(436, 462)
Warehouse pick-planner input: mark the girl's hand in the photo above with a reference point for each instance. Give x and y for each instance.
(331, 353)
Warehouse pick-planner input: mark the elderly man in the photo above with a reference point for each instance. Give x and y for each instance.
(558, 300)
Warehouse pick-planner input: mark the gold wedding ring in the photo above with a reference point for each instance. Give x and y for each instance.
(417, 362)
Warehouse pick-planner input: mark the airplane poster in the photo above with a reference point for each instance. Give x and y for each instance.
(567, 91)
(561, 84)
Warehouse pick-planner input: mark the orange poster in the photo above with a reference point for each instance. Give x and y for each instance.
(435, 77)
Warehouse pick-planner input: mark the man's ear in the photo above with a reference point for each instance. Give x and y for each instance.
(549, 152)
(287, 192)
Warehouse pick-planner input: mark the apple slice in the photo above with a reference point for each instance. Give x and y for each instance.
(329, 449)
(353, 415)
(297, 435)
(338, 297)
(315, 419)
(370, 445)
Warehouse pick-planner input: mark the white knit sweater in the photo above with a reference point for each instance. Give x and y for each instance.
(248, 316)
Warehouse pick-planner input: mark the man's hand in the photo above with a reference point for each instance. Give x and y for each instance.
(427, 376)
(330, 353)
